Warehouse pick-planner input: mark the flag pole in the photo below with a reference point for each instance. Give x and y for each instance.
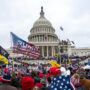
(11, 49)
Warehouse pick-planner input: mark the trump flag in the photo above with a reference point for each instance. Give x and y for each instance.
(22, 47)
(3, 52)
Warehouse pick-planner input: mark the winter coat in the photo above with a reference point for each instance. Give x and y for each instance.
(86, 83)
(7, 87)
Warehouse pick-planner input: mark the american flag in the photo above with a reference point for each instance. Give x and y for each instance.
(69, 42)
(61, 83)
(22, 47)
(72, 42)
(46, 35)
(61, 28)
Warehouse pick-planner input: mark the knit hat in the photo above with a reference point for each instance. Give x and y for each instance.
(64, 71)
(39, 85)
(54, 71)
(6, 70)
(27, 83)
(1, 79)
(41, 75)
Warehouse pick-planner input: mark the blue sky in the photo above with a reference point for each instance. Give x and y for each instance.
(18, 16)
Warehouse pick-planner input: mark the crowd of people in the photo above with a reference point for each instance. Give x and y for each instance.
(72, 77)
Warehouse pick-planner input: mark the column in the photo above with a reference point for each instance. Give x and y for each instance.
(52, 38)
(43, 38)
(47, 51)
(39, 38)
(52, 50)
(42, 51)
(47, 38)
(33, 38)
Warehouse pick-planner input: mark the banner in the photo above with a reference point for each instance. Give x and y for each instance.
(3, 52)
(54, 64)
(3, 59)
(22, 47)
(69, 61)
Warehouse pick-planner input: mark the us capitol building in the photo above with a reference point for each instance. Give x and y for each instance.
(42, 35)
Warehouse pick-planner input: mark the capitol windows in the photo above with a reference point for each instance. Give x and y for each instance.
(40, 38)
(37, 30)
(45, 29)
(49, 30)
(41, 29)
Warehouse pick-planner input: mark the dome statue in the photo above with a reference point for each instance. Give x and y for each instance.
(42, 20)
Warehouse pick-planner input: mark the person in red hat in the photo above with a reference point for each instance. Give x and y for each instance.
(6, 81)
(41, 75)
(37, 86)
(53, 71)
(27, 83)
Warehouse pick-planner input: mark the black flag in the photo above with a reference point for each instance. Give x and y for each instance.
(3, 52)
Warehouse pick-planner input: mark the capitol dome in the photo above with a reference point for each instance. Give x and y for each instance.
(42, 20)
(42, 35)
